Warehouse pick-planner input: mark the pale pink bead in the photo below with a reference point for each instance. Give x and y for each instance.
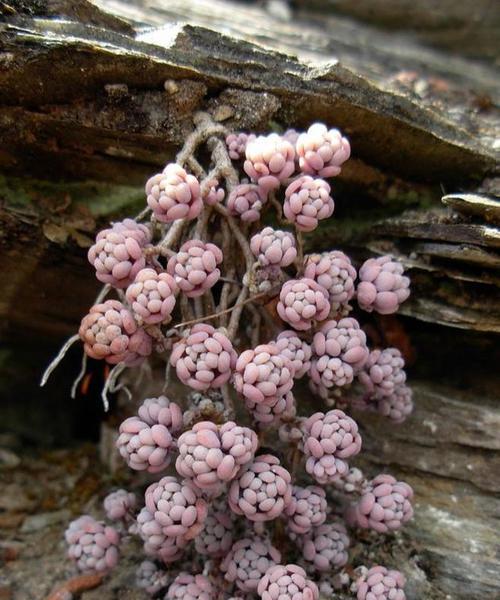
(117, 254)
(385, 504)
(352, 481)
(334, 271)
(216, 538)
(307, 509)
(263, 375)
(214, 194)
(237, 143)
(382, 285)
(329, 439)
(191, 587)
(287, 582)
(302, 302)
(177, 507)
(204, 358)
(195, 267)
(92, 545)
(146, 441)
(156, 543)
(297, 350)
(110, 332)
(322, 151)
(150, 578)
(269, 415)
(307, 201)
(398, 406)
(152, 296)
(340, 351)
(274, 247)
(325, 547)
(291, 135)
(247, 562)
(174, 194)
(211, 455)
(379, 583)
(262, 489)
(269, 160)
(383, 372)
(246, 202)
(119, 505)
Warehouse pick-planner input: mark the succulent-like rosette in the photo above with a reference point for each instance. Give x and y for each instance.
(216, 537)
(270, 159)
(92, 545)
(274, 247)
(383, 372)
(307, 509)
(302, 302)
(211, 455)
(329, 440)
(262, 490)
(117, 254)
(110, 332)
(296, 349)
(150, 578)
(174, 194)
(340, 351)
(152, 296)
(246, 202)
(308, 201)
(398, 406)
(157, 543)
(380, 583)
(322, 151)
(119, 505)
(333, 271)
(268, 415)
(195, 267)
(382, 285)
(247, 562)
(326, 547)
(287, 582)
(191, 587)
(237, 144)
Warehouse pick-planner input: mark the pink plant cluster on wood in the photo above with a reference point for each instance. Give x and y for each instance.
(239, 314)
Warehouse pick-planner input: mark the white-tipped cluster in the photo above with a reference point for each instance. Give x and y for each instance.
(247, 562)
(308, 201)
(382, 285)
(274, 247)
(211, 455)
(269, 160)
(302, 302)
(307, 508)
(297, 350)
(246, 202)
(287, 582)
(340, 351)
(333, 271)
(326, 547)
(152, 296)
(92, 545)
(195, 267)
(322, 151)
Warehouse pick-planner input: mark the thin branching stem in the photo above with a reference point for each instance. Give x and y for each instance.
(80, 375)
(60, 355)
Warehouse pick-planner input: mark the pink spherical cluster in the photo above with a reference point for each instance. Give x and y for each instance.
(274, 247)
(322, 151)
(329, 439)
(216, 538)
(117, 254)
(382, 286)
(383, 373)
(307, 201)
(248, 561)
(398, 406)
(156, 543)
(287, 582)
(174, 194)
(267, 415)
(119, 505)
(110, 332)
(152, 296)
(333, 271)
(237, 144)
(340, 351)
(195, 267)
(326, 547)
(303, 301)
(204, 359)
(269, 160)
(150, 578)
(190, 587)
(307, 508)
(211, 455)
(385, 505)
(92, 545)
(298, 351)
(145, 440)
(263, 375)
(177, 507)
(262, 490)
(246, 202)
(379, 583)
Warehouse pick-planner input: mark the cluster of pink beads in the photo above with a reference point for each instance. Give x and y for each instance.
(225, 491)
